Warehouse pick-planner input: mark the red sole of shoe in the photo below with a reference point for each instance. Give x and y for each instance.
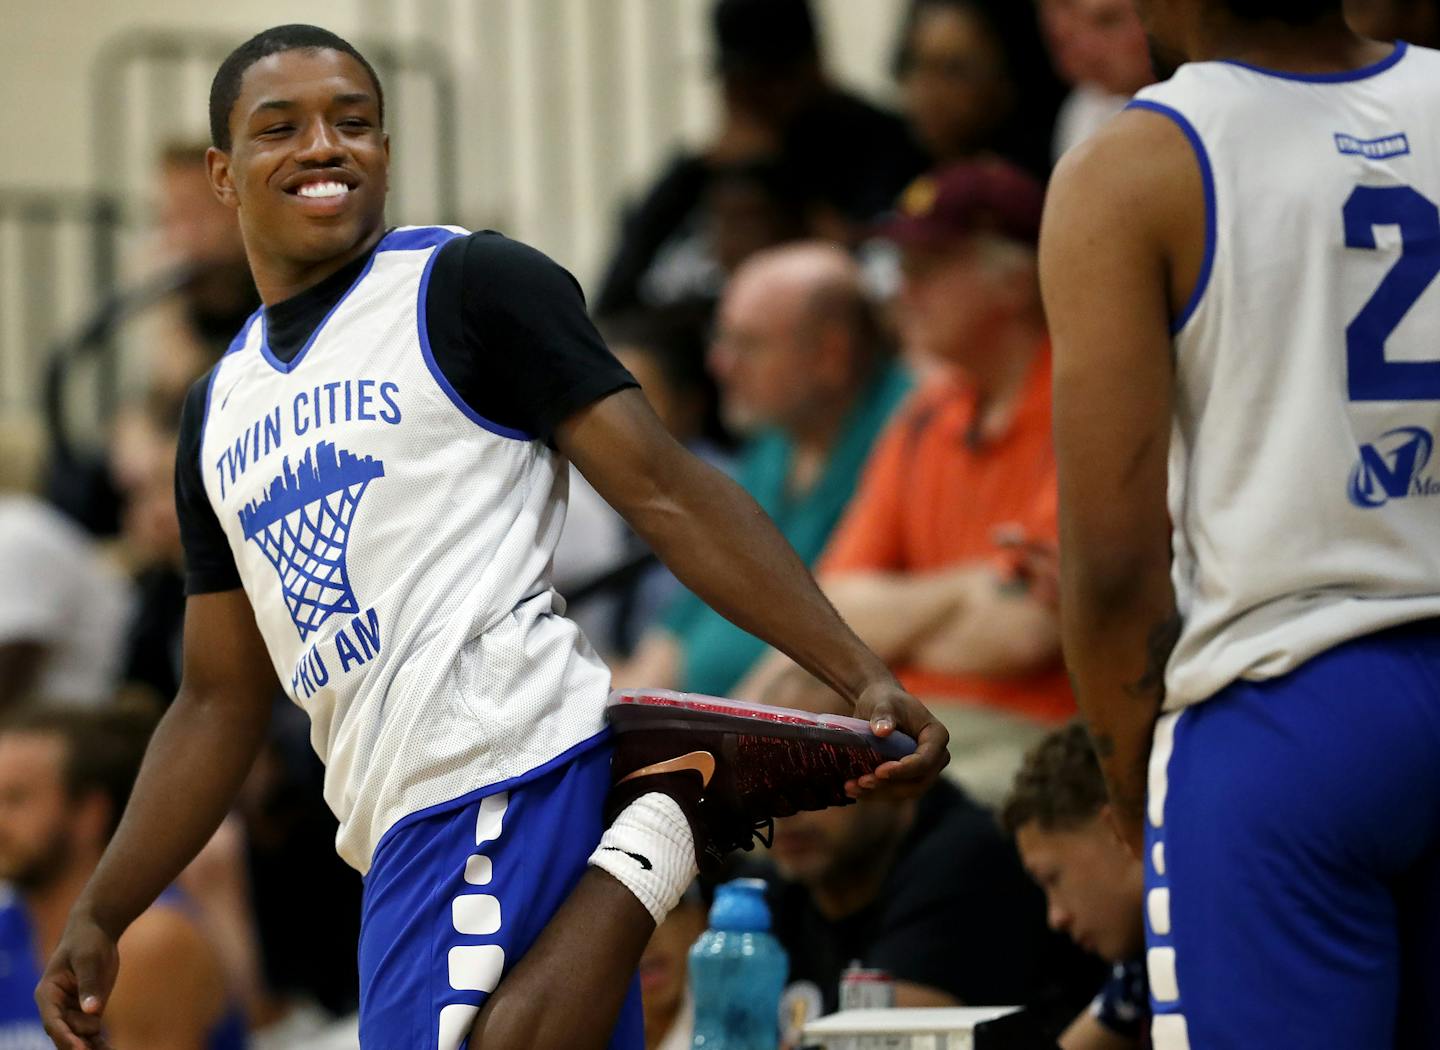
(630, 710)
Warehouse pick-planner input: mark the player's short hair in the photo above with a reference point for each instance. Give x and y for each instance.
(103, 748)
(225, 88)
(1059, 785)
(1293, 12)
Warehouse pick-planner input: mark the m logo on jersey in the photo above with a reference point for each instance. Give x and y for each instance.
(303, 526)
(1389, 468)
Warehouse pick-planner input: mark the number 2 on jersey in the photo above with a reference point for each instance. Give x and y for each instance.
(1372, 377)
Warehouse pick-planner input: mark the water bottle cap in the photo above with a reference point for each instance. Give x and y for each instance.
(740, 905)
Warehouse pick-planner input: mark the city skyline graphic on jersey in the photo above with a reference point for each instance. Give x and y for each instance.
(302, 523)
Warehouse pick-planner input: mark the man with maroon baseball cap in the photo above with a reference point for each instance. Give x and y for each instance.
(980, 197)
(917, 565)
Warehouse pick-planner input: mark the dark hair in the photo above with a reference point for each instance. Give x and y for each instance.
(225, 88)
(1058, 785)
(1025, 137)
(1293, 12)
(764, 36)
(103, 748)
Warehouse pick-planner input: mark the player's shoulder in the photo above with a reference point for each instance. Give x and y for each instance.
(494, 255)
(1133, 177)
(1129, 152)
(499, 273)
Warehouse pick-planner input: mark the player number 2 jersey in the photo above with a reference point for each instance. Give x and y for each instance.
(1304, 491)
(396, 549)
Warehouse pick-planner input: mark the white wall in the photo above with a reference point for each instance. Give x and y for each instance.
(566, 106)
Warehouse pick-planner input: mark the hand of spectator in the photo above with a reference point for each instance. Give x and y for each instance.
(887, 707)
(76, 985)
(1039, 563)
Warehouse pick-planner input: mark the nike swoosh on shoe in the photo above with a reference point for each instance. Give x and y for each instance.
(702, 762)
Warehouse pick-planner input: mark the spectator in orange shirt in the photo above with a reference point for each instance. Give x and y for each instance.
(923, 565)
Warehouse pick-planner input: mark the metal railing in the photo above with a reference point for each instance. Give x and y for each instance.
(58, 250)
(61, 272)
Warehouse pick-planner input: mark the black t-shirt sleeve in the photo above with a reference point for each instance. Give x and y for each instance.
(509, 332)
(209, 563)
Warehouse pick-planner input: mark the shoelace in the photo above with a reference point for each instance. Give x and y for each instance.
(764, 830)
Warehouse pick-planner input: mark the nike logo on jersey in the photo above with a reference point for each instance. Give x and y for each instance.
(702, 762)
(644, 862)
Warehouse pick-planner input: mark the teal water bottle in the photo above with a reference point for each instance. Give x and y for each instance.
(737, 972)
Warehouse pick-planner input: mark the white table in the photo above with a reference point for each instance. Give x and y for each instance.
(947, 1028)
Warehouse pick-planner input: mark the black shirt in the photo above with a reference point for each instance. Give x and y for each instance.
(956, 913)
(507, 327)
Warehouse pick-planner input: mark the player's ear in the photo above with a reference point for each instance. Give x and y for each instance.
(217, 167)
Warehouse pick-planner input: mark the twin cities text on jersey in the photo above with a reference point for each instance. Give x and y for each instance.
(312, 410)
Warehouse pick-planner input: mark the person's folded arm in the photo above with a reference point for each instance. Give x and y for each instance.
(894, 612)
(997, 627)
(891, 612)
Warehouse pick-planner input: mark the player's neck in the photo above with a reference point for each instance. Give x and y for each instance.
(49, 906)
(1327, 46)
(278, 279)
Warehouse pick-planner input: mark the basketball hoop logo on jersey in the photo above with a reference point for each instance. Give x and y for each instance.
(1390, 468)
(303, 526)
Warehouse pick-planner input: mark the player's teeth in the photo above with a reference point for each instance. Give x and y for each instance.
(324, 189)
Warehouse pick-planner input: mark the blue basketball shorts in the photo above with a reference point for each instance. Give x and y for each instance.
(1292, 869)
(458, 893)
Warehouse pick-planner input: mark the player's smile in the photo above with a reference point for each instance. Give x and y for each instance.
(321, 192)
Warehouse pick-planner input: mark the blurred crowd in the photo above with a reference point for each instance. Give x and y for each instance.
(836, 304)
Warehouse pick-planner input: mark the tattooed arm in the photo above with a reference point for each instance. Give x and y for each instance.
(1122, 237)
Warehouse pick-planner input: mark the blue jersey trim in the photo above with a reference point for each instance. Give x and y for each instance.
(1343, 77)
(1207, 177)
(236, 344)
(440, 378)
(396, 240)
(416, 237)
(289, 366)
(568, 755)
(244, 334)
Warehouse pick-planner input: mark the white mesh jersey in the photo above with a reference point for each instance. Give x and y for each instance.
(396, 549)
(1305, 501)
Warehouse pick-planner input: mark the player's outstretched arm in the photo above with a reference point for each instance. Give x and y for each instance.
(722, 546)
(1108, 269)
(200, 754)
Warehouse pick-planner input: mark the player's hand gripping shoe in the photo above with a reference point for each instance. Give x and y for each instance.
(734, 766)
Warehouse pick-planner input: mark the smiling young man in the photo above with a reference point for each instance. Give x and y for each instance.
(1239, 272)
(371, 484)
